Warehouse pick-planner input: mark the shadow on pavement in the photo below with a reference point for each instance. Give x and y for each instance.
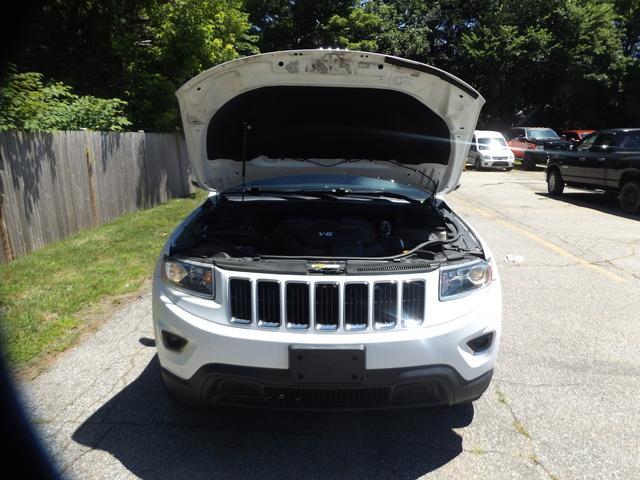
(594, 200)
(153, 437)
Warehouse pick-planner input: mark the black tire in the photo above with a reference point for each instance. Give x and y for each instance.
(555, 184)
(630, 197)
(478, 164)
(508, 169)
(528, 162)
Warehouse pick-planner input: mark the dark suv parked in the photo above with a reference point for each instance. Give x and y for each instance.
(606, 160)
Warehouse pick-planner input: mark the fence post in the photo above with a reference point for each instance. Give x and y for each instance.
(6, 243)
(93, 181)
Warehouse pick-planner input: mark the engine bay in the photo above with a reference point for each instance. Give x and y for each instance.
(341, 229)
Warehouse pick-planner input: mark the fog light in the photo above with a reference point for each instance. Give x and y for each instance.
(481, 343)
(173, 342)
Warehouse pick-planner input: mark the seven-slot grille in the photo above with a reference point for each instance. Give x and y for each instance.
(323, 305)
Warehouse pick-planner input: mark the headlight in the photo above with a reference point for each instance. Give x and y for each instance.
(460, 280)
(189, 275)
(539, 147)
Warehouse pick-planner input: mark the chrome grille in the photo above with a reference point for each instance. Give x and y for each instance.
(413, 294)
(327, 306)
(356, 306)
(297, 295)
(240, 299)
(268, 304)
(319, 304)
(385, 304)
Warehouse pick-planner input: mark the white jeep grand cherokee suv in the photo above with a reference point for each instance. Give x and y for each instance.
(325, 269)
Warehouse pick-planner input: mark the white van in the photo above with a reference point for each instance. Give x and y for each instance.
(489, 150)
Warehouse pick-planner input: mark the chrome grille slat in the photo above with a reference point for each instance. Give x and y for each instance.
(268, 303)
(240, 300)
(297, 305)
(356, 306)
(327, 306)
(385, 304)
(413, 295)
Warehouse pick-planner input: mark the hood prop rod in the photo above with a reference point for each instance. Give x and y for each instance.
(246, 128)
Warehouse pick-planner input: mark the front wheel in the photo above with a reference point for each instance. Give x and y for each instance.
(478, 164)
(630, 197)
(555, 184)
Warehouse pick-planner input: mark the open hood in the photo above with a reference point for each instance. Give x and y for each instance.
(325, 112)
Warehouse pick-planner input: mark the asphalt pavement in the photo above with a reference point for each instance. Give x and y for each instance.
(564, 402)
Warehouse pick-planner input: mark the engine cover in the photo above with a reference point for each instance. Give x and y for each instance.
(353, 237)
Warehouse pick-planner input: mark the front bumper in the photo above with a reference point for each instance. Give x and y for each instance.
(490, 163)
(433, 361)
(386, 388)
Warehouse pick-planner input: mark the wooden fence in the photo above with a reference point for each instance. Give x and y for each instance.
(53, 185)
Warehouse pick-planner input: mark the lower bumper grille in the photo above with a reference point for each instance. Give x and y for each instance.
(323, 396)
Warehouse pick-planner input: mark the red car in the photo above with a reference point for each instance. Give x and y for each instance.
(533, 144)
(576, 135)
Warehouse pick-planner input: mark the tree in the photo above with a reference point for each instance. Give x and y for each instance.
(176, 41)
(27, 103)
(558, 62)
(290, 24)
(138, 50)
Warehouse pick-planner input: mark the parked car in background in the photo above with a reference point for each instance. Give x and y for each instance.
(533, 144)
(607, 160)
(576, 135)
(489, 149)
(325, 270)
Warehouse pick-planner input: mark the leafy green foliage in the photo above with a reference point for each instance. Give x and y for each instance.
(27, 103)
(559, 62)
(290, 24)
(137, 50)
(178, 40)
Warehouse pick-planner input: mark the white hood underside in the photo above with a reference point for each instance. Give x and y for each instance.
(216, 161)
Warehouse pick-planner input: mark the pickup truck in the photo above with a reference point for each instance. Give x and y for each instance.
(606, 160)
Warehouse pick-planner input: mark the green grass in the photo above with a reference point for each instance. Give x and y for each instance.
(43, 294)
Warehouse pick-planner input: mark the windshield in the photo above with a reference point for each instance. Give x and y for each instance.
(492, 142)
(330, 182)
(542, 133)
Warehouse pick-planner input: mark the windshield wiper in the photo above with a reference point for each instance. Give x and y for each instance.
(332, 194)
(257, 191)
(375, 193)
